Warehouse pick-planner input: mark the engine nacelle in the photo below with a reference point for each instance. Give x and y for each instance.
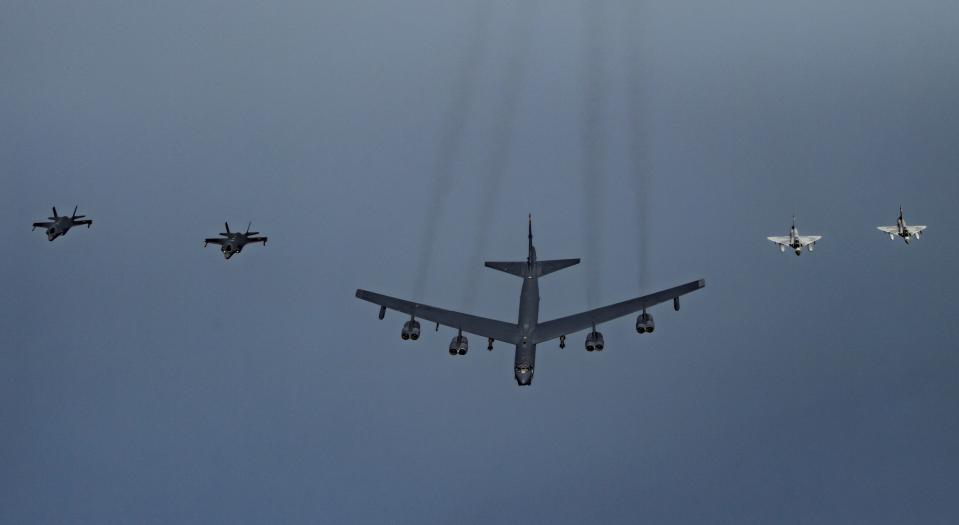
(459, 345)
(645, 324)
(594, 341)
(411, 330)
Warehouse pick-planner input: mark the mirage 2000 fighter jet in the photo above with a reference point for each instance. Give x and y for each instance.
(60, 225)
(902, 229)
(234, 242)
(795, 241)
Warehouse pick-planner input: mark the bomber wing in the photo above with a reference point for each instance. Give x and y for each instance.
(575, 323)
(491, 328)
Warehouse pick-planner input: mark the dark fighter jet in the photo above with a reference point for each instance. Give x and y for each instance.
(60, 225)
(527, 332)
(234, 242)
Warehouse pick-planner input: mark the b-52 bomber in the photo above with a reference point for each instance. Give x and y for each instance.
(528, 332)
(902, 230)
(60, 225)
(234, 242)
(795, 241)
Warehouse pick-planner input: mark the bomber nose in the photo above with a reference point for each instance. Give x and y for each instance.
(524, 376)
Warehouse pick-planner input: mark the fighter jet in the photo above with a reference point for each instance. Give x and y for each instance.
(795, 241)
(235, 241)
(528, 332)
(902, 230)
(61, 225)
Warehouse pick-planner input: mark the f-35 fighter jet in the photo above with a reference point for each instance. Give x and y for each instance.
(528, 331)
(60, 225)
(795, 241)
(234, 242)
(902, 229)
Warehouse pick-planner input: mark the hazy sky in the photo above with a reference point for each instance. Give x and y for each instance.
(394, 146)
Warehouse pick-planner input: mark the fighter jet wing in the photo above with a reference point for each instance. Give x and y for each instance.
(574, 323)
(805, 240)
(888, 229)
(498, 330)
(84, 222)
(779, 240)
(42, 224)
(214, 240)
(257, 239)
(915, 229)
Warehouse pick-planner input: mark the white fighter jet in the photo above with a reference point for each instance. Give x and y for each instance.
(902, 229)
(795, 241)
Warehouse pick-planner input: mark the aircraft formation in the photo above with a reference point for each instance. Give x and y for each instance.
(797, 242)
(527, 332)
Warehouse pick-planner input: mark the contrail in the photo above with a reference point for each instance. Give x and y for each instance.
(639, 132)
(594, 140)
(501, 139)
(451, 139)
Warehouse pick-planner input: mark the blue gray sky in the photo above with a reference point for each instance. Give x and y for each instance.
(394, 146)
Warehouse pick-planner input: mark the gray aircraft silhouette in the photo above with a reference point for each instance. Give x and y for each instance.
(528, 331)
(234, 242)
(60, 225)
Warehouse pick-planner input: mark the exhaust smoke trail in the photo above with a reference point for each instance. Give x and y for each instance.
(451, 138)
(594, 142)
(501, 138)
(639, 156)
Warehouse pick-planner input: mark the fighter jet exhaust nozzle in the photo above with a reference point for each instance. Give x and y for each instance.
(411, 330)
(798, 251)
